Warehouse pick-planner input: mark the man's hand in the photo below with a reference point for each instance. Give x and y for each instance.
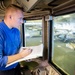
(25, 51)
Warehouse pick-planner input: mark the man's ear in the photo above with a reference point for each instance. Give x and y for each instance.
(10, 17)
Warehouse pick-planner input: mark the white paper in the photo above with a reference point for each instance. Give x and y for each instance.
(37, 51)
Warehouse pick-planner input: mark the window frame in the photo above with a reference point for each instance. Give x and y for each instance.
(50, 45)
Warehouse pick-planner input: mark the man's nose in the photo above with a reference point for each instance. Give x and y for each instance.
(22, 21)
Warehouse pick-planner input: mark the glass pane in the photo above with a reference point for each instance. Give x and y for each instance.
(33, 32)
(64, 43)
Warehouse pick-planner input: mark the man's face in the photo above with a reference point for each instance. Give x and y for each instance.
(17, 19)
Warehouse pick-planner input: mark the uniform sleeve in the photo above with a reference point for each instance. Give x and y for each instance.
(3, 59)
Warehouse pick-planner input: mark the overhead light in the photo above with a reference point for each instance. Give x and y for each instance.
(65, 16)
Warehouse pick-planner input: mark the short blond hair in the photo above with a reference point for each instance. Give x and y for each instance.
(13, 8)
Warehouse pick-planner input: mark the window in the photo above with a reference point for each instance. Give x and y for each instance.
(33, 32)
(63, 46)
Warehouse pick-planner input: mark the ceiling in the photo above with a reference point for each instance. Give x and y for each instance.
(38, 8)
